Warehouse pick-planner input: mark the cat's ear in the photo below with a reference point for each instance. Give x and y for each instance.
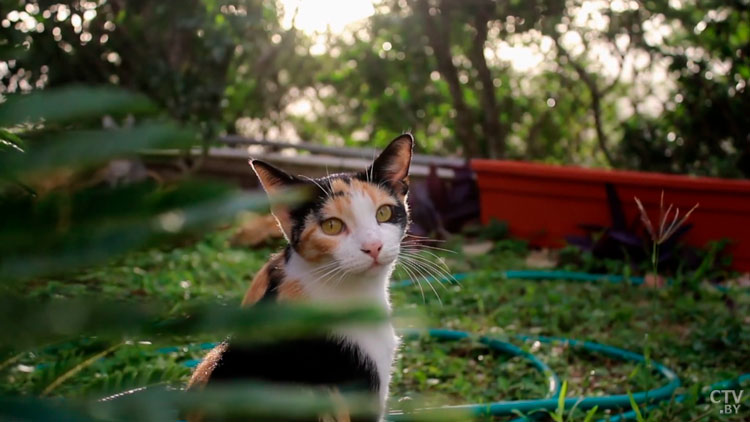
(276, 182)
(392, 165)
(272, 178)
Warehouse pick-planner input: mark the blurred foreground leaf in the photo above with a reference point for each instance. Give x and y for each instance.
(246, 401)
(60, 232)
(9, 140)
(71, 104)
(28, 323)
(81, 148)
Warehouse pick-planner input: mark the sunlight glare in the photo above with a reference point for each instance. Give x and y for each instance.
(320, 15)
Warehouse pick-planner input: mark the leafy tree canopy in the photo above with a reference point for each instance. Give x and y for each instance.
(645, 84)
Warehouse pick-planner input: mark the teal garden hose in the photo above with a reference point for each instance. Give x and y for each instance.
(650, 397)
(505, 408)
(646, 399)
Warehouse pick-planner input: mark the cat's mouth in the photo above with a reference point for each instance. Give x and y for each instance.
(379, 262)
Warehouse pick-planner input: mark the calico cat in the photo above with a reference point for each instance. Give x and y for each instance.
(343, 243)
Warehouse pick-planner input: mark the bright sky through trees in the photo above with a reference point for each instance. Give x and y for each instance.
(320, 15)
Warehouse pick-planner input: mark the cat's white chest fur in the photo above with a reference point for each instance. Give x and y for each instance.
(378, 342)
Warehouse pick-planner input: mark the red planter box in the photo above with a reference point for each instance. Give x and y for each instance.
(544, 203)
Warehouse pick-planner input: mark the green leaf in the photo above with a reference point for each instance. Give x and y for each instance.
(10, 140)
(559, 414)
(245, 401)
(79, 148)
(28, 323)
(59, 232)
(590, 414)
(70, 104)
(743, 32)
(636, 408)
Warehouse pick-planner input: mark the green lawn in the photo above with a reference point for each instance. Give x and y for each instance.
(702, 334)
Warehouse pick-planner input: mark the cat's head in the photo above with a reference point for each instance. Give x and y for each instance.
(357, 220)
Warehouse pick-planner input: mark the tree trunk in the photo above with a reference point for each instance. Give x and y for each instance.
(439, 40)
(494, 132)
(596, 109)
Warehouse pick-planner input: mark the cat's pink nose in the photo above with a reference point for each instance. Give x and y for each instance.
(372, 248)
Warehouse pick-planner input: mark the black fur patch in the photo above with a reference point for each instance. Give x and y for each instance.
(275, 277)
(313, 362)
(299, 213)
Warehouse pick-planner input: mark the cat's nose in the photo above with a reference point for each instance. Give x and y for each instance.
(372, 248)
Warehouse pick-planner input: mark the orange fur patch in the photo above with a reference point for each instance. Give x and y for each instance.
(203, 372)
(291, 290)
(340, 206)
(314, 244)
(258, 286)
(338, 185)
(377, 196)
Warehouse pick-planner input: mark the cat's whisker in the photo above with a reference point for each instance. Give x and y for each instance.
(413, 279)
(327, 275)
(323, 281)
(427, 276)
(423, 238)
(420, 248)
(437, 265)
(317, 184)
(327, 265)
(435, 273)
(428, 283)
(440, 262)
(330, 182)
(416, 235)
(412, 245)
(438, 257)
(341, 278)
(324, 268)
(421, 242)
(329, 281)
(441, 269)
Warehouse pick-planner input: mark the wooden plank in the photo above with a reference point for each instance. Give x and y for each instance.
(364, 153)
(232, 163)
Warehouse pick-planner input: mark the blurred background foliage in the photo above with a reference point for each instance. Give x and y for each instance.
(644, 84)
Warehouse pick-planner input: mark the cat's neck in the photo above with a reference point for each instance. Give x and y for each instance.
(370, 288)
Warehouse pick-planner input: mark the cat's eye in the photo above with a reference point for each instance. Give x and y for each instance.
(384, 213)
(332, 226)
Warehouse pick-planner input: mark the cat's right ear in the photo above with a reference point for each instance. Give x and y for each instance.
(276, 182)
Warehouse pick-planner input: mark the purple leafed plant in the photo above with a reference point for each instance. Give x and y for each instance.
(634, 241)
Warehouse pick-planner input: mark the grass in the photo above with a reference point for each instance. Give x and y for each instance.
(701, 334)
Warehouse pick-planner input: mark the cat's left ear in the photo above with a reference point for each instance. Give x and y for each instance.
(392, 165)
(276, 183)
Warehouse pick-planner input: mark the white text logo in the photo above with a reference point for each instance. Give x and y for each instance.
(730, 400)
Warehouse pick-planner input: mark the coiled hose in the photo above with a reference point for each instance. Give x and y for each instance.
(647, 400)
